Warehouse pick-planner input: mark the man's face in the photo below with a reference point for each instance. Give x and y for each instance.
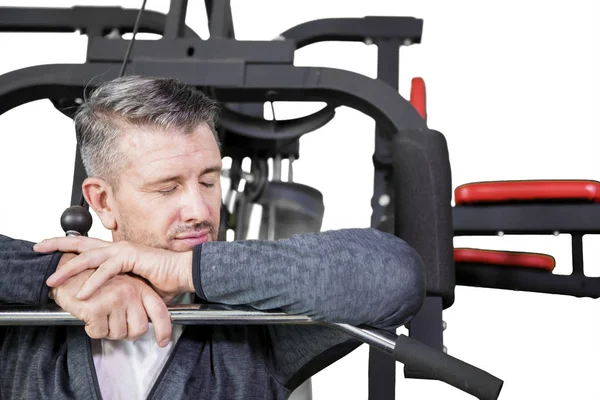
(169, 193)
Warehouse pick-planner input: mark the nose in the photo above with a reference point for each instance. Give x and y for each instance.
(194, 207)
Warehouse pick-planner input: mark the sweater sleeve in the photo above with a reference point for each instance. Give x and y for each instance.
(24, 272)
(353, 276)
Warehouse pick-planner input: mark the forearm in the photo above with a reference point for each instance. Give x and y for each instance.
(24, 272)
(356, 276)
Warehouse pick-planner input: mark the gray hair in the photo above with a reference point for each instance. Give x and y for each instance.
(154, 102)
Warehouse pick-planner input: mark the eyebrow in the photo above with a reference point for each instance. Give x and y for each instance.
(208, 170)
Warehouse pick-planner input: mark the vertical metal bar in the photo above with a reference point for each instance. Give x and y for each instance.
(272, 221)
(388, 70)
(175, 23)
(291, 169)
(277, 168)
(577, 253)
(382, 369)
(79, 176)
(220, 20)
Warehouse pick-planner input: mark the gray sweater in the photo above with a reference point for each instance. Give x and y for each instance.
(354, 276)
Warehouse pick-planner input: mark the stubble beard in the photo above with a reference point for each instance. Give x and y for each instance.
(146, 238)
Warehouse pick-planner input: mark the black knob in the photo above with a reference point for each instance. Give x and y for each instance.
(76, 220)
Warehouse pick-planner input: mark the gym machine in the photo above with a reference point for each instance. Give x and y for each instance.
(522, 207)
(527, 207)
(411, 163)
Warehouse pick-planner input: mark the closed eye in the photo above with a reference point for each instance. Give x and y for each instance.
(168, 192)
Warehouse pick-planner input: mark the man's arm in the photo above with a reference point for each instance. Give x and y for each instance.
(338, 276)
(353, 276)
(357, 276)
(24, 272)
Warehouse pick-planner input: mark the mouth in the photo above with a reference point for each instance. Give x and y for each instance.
(194, 238)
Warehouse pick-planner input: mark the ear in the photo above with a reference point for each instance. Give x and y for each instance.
(99, 196)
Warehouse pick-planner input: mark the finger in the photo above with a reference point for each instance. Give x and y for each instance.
(97, 328)
(69, 244)
(88, 260)
(107, 270)
(159, 315)
(137, 322)
(117, 324)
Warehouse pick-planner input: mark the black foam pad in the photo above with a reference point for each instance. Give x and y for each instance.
(422, 205)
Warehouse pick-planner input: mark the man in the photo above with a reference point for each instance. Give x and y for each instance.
(151, 152)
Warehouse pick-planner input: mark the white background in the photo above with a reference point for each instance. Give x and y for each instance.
(514, 86)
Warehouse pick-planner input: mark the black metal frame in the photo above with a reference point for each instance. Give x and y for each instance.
(529, 219)
(87, 20)
(576, 219)
(243, 75)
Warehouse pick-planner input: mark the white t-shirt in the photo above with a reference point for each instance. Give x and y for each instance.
(127, 370)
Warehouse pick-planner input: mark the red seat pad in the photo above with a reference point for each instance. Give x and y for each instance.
(527, 191)
(505, 258)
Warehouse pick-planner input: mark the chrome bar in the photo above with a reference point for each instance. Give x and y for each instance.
(188, 314)
(381, 340)
(433, 364)
(36, 316)
(225, 315)
(195, 314)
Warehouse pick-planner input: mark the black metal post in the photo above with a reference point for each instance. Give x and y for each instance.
(220, 20)
(382, 369)
(175, 23)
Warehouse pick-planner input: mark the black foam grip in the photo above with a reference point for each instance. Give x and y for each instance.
(435, 364)
(423, 208)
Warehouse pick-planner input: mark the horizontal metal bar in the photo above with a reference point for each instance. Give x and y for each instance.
(196, 314)
(91, 21)
(381, 340)
(434, 363)
(233, 81)
(189, 314)
(525, 279)
(356, 29)
(184, 49)
(532, 219)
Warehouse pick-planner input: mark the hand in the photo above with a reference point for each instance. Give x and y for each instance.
(118, 310)
(169, 272)
(63, 260)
